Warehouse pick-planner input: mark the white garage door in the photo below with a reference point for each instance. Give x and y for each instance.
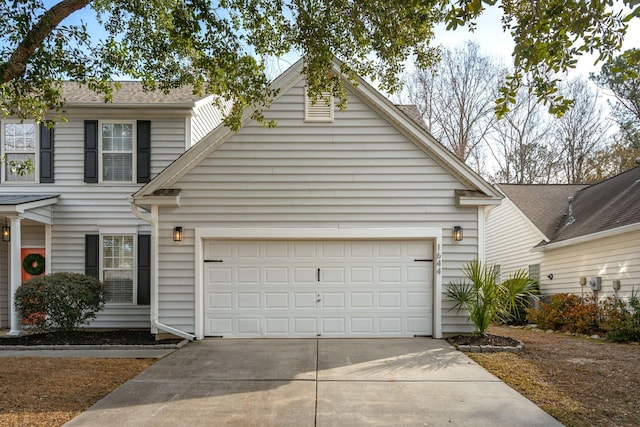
(318, 288)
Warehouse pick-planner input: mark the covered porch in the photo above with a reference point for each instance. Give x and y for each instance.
(26, 222)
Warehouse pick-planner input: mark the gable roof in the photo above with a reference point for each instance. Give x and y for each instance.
(607, 207)
(130, 92)
(543, 204)
(404, 123)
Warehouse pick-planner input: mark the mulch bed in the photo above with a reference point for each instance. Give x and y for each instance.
(120, 337)
(488, 339)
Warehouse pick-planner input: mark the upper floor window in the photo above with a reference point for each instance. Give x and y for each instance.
(117, 149)
(19, 144)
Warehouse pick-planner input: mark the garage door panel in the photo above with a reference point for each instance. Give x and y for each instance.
(361, 325)
(276, 276)
(361, 300)
(389, 299)
(272, 288)
(276, 300)
(305, 325)
(217, 301)
(277, 326)
(304, 275)
(333, 299)
(304, 300)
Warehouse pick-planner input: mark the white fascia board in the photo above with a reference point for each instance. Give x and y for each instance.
(22, 208)
(477, 201)
(588, 238)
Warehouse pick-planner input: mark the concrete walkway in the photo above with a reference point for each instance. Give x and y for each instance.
(359, 382)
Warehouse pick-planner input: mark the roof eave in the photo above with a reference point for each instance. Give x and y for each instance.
(588, 238)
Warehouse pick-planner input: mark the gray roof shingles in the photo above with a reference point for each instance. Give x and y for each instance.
(544, 205)
(604, 206)
(130, 92)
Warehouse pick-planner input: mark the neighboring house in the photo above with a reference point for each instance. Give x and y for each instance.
(332, 224)
(594, 234)
(73, 209)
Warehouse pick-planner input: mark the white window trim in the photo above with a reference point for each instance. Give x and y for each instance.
(36, 152)
(135, 267)
(134, 151)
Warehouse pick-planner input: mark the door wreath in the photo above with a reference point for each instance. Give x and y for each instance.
(33, 264)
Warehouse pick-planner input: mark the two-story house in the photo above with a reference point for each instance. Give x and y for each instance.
(333, 224)
(73, 209)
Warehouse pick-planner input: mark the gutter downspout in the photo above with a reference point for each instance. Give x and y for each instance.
(155, 322)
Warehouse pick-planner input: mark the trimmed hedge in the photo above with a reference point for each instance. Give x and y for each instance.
(61, 301)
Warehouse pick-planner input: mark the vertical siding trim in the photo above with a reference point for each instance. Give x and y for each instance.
(143, 158)
(92, 255)
(144, 269)
(91, 151)
(46, 154)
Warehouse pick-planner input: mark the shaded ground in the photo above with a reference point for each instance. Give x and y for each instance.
(119, 337)
(578, 381)
(50, 392)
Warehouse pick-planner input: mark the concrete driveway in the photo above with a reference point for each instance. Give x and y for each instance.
(326, 382)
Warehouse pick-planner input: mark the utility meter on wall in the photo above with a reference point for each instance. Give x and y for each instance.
(595, 283)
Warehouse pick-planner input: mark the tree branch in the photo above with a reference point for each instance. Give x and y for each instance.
(17, 64)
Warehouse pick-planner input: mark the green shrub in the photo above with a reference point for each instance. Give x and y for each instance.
(567, 312)
(620, 319)
(485, 300)
(61, 301)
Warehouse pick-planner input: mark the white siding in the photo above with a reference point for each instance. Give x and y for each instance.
(358, 172)
(84, 208)
(616, 257)
(510, 238)
(206, 118)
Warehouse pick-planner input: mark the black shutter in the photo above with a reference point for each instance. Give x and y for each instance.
(92, 255)
(46, 154)
(144, 151)
(144, 269)
(91, 151)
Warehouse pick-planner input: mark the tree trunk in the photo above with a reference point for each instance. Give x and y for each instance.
(16, 66)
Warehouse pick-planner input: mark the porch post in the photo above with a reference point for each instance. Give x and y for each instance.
(15, 274)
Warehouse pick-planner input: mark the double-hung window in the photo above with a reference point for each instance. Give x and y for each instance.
(19, 144)
(118, 268)
(117, 151)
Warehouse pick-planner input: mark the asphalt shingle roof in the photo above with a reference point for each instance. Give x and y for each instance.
(604, 206)
(129, 92)
(544, 205)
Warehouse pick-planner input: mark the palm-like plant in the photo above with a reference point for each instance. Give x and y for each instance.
(484, 299)
(516, 292)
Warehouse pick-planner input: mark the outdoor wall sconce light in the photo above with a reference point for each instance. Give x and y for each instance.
(457, 233)
(177, 234)
(6, 233)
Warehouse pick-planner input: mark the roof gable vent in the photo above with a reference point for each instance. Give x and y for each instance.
(319, 111)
